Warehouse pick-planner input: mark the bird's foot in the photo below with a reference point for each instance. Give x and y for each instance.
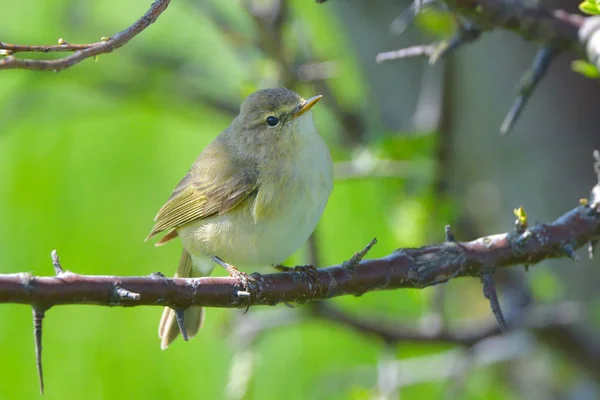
(243, 277)
(246, 281)
(233, 272)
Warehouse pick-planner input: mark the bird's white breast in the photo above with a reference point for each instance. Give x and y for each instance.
(243, 238)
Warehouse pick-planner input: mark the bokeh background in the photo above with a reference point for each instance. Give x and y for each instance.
(88, 155)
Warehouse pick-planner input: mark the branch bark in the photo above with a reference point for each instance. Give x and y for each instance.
(81, 51)
(404, 268)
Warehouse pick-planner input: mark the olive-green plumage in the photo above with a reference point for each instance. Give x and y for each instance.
(252, 197)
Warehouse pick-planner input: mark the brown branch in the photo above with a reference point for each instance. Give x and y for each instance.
(538, 319)
(404, 268)
(81, 51)
(63, 46)
(555, 30)
(392, 333)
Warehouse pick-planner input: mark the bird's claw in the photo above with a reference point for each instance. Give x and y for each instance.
(243, 277)
(247, 282)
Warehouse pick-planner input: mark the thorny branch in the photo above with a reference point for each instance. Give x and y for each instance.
(404, 268)
(80, 51)
(554, 30)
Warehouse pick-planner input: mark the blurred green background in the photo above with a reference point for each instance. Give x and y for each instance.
(88, 155)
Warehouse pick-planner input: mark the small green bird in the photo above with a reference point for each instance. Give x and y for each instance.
(252, 197)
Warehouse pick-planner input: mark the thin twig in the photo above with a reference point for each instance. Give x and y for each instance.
(56, 48)
(81, 51)
(408, 52)
(467, 333)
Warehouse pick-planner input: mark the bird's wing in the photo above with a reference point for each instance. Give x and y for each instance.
(210, 187)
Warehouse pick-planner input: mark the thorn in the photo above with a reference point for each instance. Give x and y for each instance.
(361, 254)
(449, 234)
(158, 275)
(38, 318)
(489, 291)
(591, 247)
(570, 252)
(58, 270)
(180, 323)
(530, 79)
(526, 266)
(288, 305)
(357, 258)
(124, 294)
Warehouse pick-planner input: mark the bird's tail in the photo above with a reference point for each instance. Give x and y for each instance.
(193, 317)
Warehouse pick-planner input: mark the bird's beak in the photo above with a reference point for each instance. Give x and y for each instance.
(307, 105)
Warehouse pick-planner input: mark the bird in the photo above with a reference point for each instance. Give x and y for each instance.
(252, 197)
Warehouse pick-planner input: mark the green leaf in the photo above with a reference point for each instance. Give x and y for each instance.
(436, 22)
(589, 8)
(585, 68)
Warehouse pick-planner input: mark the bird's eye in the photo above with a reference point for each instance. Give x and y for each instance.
(272, 121)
